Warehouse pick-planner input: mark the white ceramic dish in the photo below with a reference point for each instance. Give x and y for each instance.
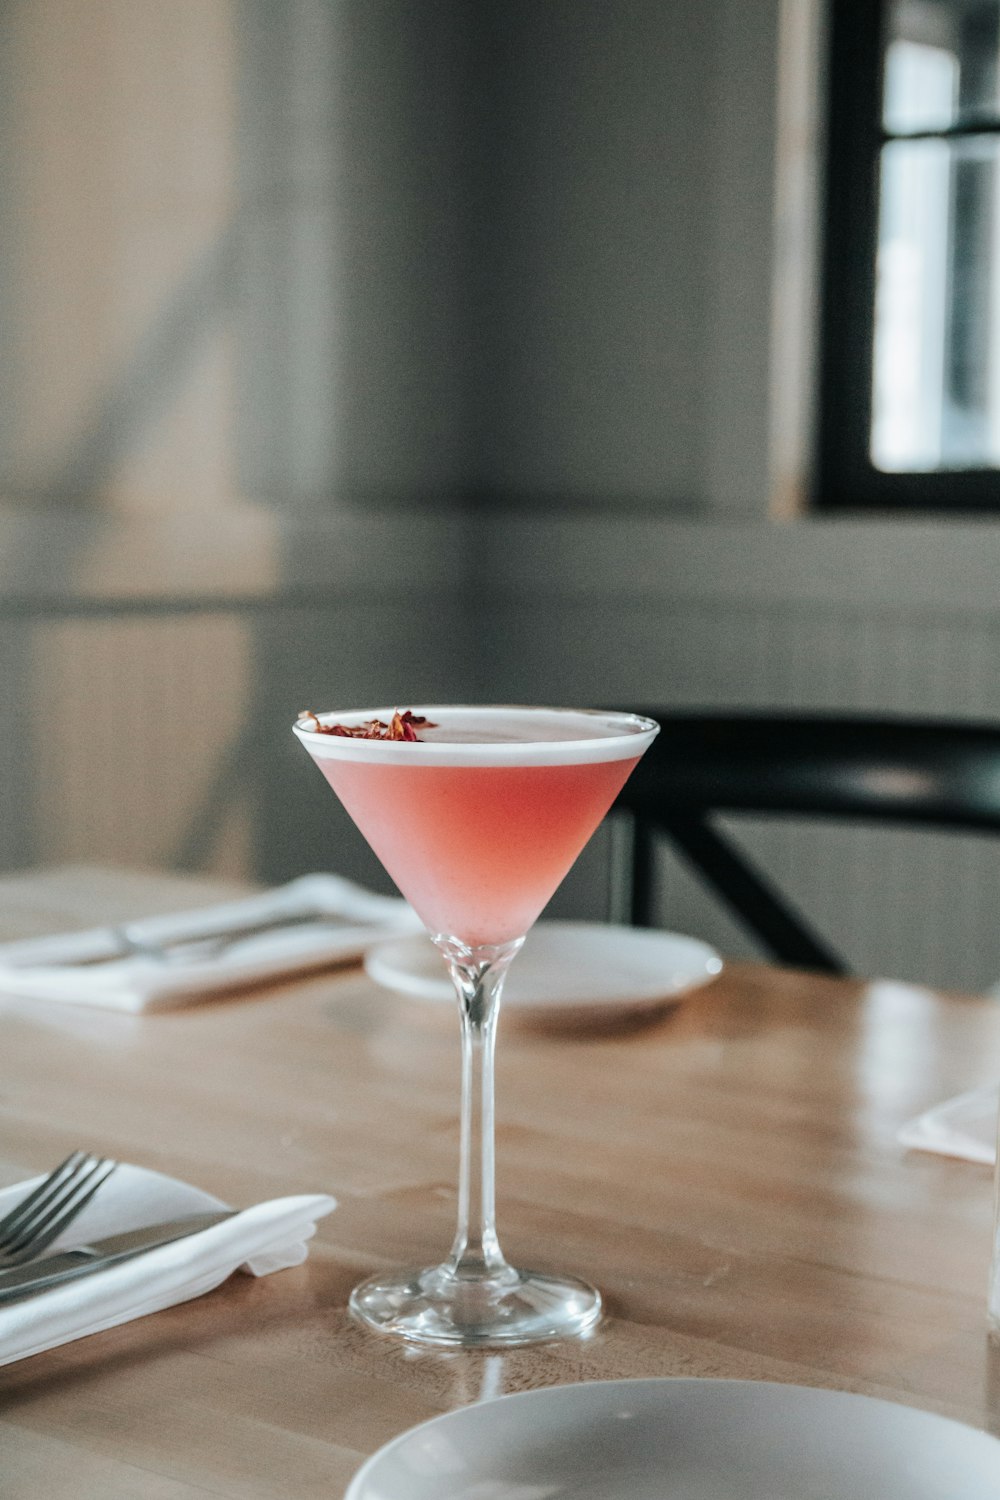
(567, 970)
(684, 1440)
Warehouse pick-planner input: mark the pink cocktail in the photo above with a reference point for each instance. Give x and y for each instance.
(478, 821)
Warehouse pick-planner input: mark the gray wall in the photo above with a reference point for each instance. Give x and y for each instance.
(328, 253)
(629, 271)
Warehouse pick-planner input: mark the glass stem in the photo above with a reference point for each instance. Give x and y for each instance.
(478, 975)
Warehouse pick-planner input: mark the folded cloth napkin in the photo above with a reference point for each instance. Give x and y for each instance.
(89, 967)
(965, 1126)
(268, 1237)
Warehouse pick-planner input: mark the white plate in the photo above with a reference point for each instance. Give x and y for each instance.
(565, 970)
(684, 1440)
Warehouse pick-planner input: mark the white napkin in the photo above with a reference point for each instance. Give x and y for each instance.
(81, 967)
(268, 1237)
(965, 1126)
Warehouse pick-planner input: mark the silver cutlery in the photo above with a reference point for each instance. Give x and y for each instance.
(36, 1221)
(23, 1281)
(212, 941)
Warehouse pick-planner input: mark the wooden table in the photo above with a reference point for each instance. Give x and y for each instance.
(728, 1175)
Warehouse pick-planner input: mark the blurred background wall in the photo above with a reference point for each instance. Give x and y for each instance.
(358, 351)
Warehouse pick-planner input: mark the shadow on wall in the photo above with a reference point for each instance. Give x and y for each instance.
(235, 282)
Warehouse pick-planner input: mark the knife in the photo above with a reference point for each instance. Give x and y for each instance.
(37, 1275)
(219, 937)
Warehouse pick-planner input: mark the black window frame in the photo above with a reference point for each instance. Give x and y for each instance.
(844, 476)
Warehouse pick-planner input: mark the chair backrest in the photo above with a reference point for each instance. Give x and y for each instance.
(935, 773)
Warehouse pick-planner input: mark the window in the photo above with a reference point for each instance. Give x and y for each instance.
(910, 381)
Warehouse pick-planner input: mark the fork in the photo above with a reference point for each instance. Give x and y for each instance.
(44, 1213)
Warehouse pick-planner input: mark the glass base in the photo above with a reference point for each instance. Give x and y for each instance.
(433, 1306)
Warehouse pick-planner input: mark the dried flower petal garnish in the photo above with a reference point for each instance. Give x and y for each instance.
(402, 726)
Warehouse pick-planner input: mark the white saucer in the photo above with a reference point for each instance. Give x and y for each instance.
(583, 971)
(684, 1440)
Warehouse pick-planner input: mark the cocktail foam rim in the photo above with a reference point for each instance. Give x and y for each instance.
(637, 733)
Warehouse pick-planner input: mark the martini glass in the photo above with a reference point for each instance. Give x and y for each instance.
(477, 823)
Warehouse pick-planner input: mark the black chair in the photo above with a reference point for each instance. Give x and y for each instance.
(931, 773)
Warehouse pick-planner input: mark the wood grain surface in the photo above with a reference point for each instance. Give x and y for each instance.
(727, 1173)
